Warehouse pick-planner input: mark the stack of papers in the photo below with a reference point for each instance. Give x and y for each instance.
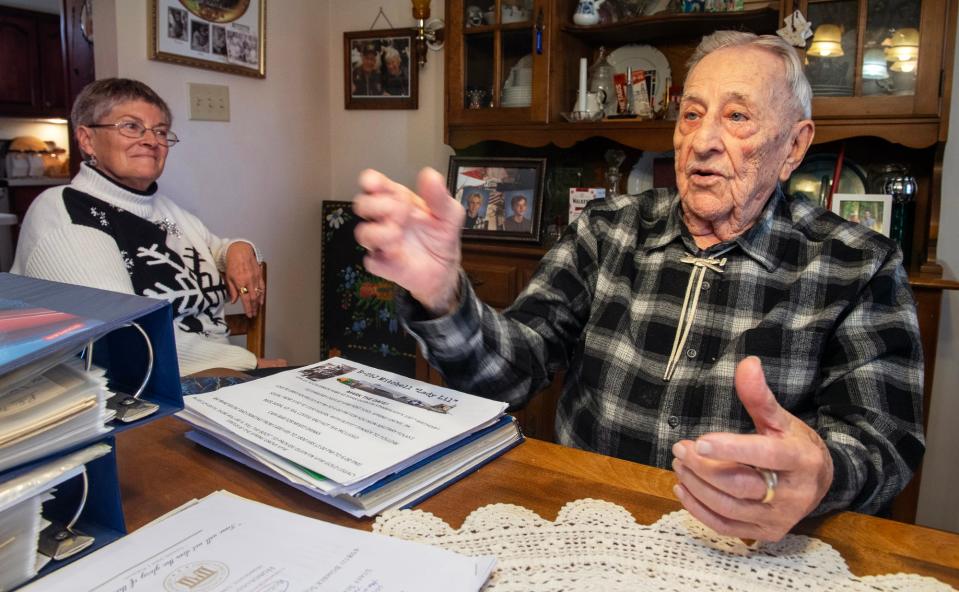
(360, 439)
(224, 542)
(44, 409)
(47, 402)
(21, 501)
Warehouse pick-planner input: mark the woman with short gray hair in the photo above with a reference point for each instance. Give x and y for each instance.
(111, 228)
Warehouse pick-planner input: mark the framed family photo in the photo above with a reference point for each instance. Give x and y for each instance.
(503, 197)
(871, 210)
(380, 70)
(224, 35)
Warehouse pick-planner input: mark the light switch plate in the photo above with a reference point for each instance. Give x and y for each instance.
(209, 102)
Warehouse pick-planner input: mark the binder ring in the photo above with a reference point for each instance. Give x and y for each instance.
(60, 542)
(88, 354)
(85, 491)
(149, 372)
(129, 408)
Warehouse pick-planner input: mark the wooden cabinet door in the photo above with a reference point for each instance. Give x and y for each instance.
(53, 92)
(19, 65)
(887, 60)
(497, 62)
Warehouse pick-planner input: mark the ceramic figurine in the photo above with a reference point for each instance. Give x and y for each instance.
(474, 16)
(587, 12)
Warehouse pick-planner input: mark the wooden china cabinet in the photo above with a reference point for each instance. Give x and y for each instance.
(881, 73)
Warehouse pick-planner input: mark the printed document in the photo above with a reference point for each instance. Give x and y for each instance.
(225, 543)
(345, 422)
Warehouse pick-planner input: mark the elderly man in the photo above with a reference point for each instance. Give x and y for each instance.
(764, 348)
(367, 80)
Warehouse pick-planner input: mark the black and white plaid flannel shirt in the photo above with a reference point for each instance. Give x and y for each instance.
(824, 303)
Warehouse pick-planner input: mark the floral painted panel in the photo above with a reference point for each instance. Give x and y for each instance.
(359, 319)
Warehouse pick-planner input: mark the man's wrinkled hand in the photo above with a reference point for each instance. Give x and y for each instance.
(719, 485)
(412, 239)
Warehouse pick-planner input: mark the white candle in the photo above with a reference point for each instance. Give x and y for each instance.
(581, 96)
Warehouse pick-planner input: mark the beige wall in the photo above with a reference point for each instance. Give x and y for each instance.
(262, 175)
(939, 495)
(399, 143)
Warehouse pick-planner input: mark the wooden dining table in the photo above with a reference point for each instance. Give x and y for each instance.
(160, 470)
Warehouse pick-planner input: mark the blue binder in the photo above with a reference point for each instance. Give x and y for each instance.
(88, 314)
(41, 320)
(102, 516)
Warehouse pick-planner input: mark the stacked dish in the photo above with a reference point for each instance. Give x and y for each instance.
(831, 90)
(518, 96)
(518, 89)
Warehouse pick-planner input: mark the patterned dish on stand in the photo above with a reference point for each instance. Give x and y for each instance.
(650, 60)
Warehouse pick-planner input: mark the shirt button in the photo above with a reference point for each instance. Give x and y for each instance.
(705, 285)
(691, 353)
(673, 421)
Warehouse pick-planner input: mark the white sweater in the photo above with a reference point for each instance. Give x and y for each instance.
(95, 232)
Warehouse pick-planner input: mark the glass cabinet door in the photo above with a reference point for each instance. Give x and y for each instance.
(492, 75)
(874, 57)
(890, 60)
(831, 55)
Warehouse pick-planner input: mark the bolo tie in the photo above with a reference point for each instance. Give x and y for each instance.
(688, 312)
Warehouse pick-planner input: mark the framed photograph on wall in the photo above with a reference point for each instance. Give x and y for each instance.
(380, 70)
(871, 210)
(503, 197)
(212, 34)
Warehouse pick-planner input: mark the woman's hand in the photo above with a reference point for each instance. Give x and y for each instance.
(243, 278)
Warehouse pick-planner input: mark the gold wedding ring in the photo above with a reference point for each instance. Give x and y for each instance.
(244, 290)
(772, 480)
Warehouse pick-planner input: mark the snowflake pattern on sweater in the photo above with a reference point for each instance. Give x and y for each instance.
(161, 264)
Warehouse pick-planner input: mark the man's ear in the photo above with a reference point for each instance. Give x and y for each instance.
(800, 139)
(85, 140)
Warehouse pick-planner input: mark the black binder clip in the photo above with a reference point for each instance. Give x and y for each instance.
(129, 408)
(58, 541)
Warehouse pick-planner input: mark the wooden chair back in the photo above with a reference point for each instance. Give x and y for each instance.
(255, 328)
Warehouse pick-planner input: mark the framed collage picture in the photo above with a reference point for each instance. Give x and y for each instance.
(212, 34)
(503, 197)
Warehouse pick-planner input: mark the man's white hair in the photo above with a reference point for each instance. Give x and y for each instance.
(796, 81)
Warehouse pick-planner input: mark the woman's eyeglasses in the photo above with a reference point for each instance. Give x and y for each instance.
(132, 129)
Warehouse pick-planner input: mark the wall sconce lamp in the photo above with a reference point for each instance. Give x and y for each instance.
(429, 33)
(826, 42)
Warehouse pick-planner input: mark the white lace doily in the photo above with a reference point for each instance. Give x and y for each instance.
(596, 545)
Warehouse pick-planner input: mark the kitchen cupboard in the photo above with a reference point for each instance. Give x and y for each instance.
(32, 81)
(877, 106)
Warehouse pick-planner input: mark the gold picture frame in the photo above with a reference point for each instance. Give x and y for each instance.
(209, 34)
